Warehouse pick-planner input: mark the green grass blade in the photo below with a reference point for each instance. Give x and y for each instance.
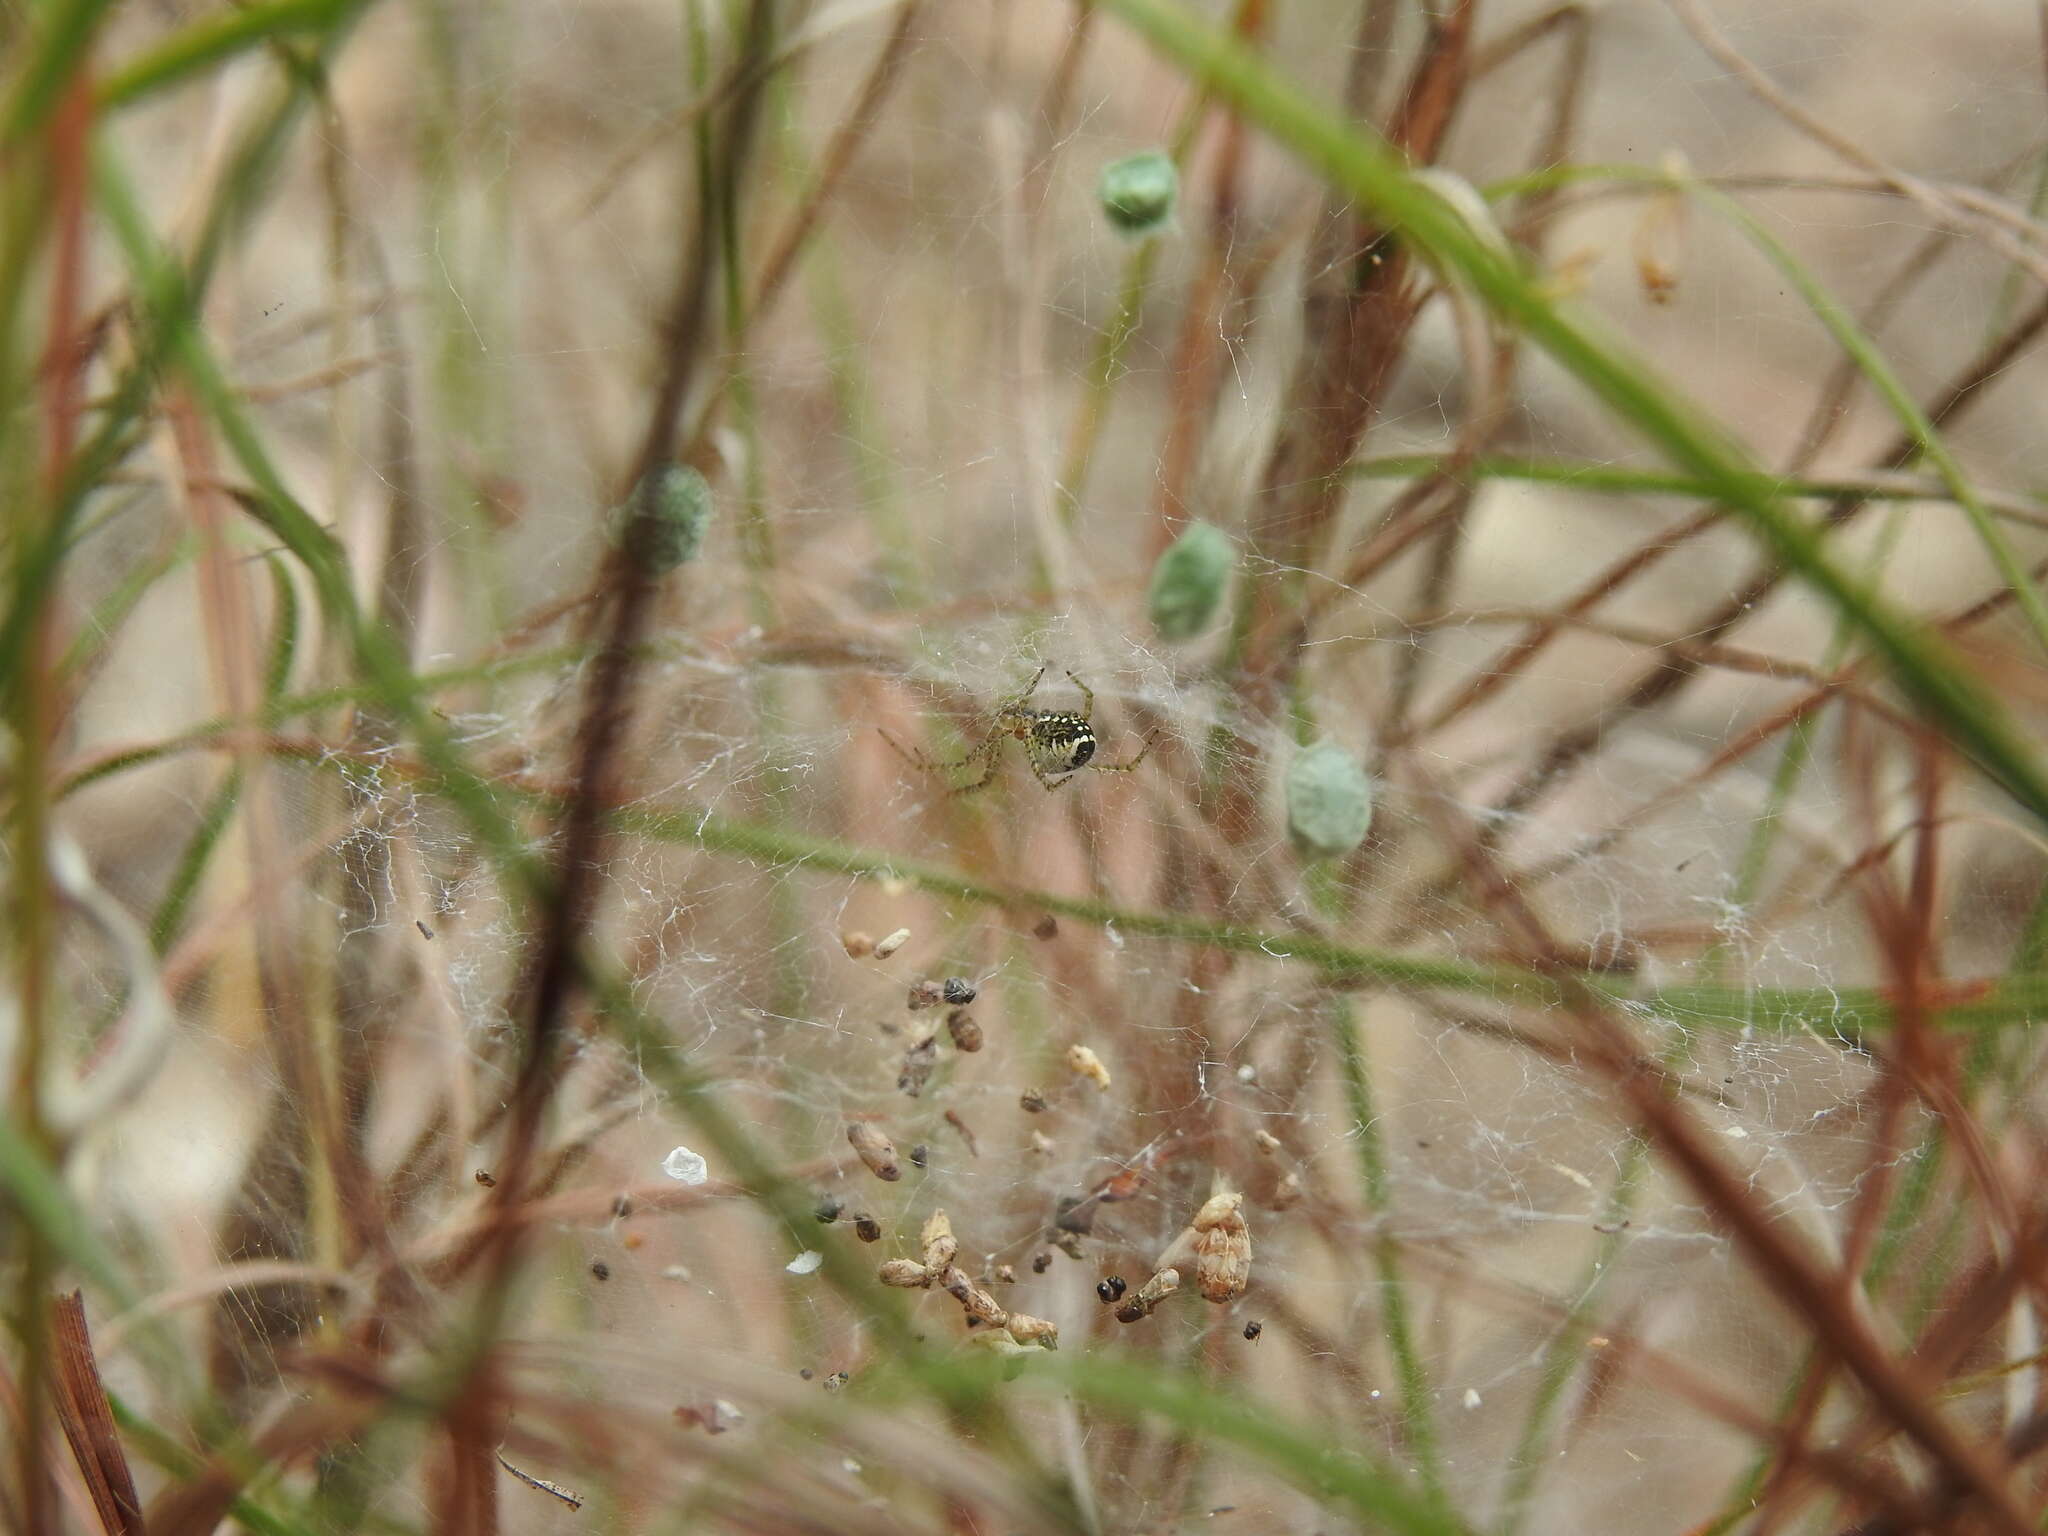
(1417, 1417)
(183, 885)
(52, 60)
(1370, 171)
(214, 39)
(1602, 479)
(1845, 1014)
(167, 302)
(1342, 1476)
(284, 640)
(1849, 336)
(96, 633)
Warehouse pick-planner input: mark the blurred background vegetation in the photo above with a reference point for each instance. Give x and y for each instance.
(511, 1021)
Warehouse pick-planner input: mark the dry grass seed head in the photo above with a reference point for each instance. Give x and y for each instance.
(937, 1241)
(906, 1274)
(1033, 1330)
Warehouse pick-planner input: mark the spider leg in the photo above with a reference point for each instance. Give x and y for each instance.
(1022, 697)
(1087, 710)
(1150, 737)
(987, 752)
(909, 754)
(987, 746)
(1047, 779)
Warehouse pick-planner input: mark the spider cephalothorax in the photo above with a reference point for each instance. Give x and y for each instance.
(1058, 743)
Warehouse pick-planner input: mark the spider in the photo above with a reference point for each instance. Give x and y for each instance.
(1058, 743)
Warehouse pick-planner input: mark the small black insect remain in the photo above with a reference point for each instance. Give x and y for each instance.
(1252, 1330)
(1110, 1291)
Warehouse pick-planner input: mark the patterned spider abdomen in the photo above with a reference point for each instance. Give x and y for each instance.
(1059, 742)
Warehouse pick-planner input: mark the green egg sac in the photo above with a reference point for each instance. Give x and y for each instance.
(678, 504)
(1329, 802)
(1138, 192)
(1188, 582)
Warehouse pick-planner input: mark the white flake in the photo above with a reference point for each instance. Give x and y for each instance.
(686, 1166)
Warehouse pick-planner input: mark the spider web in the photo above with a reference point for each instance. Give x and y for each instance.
(897, 551)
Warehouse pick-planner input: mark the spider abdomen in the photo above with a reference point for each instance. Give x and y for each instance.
(1059, 742)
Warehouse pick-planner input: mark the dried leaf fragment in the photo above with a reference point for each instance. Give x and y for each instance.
(87, 1417)
(1083, 1062)
(966, 1033)
(541, 1484)
(874, 1149)
(953, 1119)
(1159, 1287)
(1149, 1295)
(1074, 1213)
(714, 1419)
(1659, 240)
(918, 1063)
